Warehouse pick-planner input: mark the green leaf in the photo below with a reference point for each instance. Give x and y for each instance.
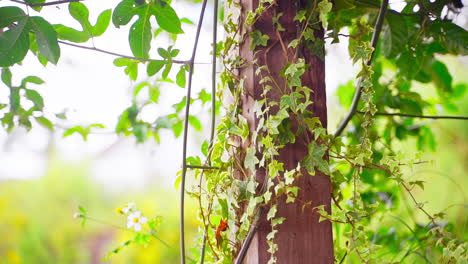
(139, 87)
(14, 44)
(180, 77)
(154, 67)
(82, 210)
(140, 38)
(131, 66)
(142, 239)
(45, 122)
(418, 183)
(76, 129)
(342, 4)
(37, 8)
(132, 71)
(71, 34)
(177, 128)
(451, 36)
(163, 122)
(36, 98)
(166, 17)
(345, 93)
(164, 53)
(180, 105)
(154, 93)
(123, 13)
(361, 52)
(187, 21)
(46, 38)
(175, 52)
(258, 39)
(80, 12)
(204, 148)
(120, 62)
(395, 35)
(272, 212)
(10, 14)
(6, 76)
(195, 123)
(315, 159)
(204, 96)
(251, 159)
(324, 8)
(14, 98)
(102, 23)
(167, 70)
(140, 32)
(141, 132)
(441, 78)
(31, 79)
(224, 208)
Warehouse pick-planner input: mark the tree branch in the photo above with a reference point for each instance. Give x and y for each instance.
(117, 54)
(374, 41)
(202, 167)
(45, 4)
(248, 240)
(418, 116)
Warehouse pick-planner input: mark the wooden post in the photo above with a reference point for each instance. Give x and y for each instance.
(301, 238)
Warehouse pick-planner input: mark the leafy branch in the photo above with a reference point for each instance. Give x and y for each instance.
(117, 54)
(418, 116)
(45, 4)
(357, 95)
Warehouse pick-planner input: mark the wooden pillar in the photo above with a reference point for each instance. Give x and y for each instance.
(301, 239)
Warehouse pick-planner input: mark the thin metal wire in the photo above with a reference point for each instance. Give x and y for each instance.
(213, 107)
(186, 123)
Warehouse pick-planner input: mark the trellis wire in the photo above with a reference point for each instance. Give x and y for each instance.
(184, 151)
(213, 109)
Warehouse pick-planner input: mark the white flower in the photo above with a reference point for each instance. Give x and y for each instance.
(135, 220)
(129, 207)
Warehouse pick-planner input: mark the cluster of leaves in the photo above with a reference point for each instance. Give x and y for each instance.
(25, 32)
(408, 52)
(21, 112)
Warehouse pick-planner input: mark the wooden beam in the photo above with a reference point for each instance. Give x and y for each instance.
(301, 238)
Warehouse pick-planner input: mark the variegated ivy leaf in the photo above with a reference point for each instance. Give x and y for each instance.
(315, 159)
(324, 8)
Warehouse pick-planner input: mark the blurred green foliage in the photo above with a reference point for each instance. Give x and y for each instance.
(37, 224)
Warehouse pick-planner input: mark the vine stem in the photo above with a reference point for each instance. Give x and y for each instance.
(357, 95)
(248, 239)
(120, 55)
(418, 116)
(45, 4)
(213, 111)
(186, 120)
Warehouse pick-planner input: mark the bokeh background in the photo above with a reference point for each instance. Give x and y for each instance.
(45, 177)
